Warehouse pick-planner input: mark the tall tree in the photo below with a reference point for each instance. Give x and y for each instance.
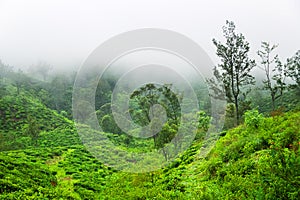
(274, 71)
(292, 70)
(20, 80)
(234, 71)
(143, 100)
(3, 70)
(61, 92)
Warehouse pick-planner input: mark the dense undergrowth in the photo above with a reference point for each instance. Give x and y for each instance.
(257, 160)
(248, 163)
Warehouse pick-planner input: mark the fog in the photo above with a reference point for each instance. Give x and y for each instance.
(64, 33)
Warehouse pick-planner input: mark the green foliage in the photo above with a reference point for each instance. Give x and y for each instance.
(234, 71)
(109, 125)
(143, 112)
(23, 119)
(104, 90)
(149, 95)
(289, 101)
(51, 174)
(253, 119)
(15, 109)
(275, 79)
(203, 121)
(20, 173)
(31, 129)
(249, 163)
(257, 160)
(292, 70)
(203, 125)
(229, 116)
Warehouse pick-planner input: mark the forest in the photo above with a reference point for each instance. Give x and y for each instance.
(255, 154)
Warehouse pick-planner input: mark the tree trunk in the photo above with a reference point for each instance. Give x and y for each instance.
(165, 154)
(237, 120)
(273, 102)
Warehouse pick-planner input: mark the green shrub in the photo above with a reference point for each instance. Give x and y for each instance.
(253, 118)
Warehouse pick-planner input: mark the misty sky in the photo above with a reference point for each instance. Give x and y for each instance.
(64, 33)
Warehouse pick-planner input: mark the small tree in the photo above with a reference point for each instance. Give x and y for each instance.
(143, 101)
(253, 118)
(32, 129)
(109, 125)
(274, 72)
(165, 136)
(19, 80)
(292, 70)
(234, 71)
(203, 124)
(229, 117)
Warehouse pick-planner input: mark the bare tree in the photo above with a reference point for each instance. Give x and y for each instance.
(274, 71)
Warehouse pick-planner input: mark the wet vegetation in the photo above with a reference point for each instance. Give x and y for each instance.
(256, 156)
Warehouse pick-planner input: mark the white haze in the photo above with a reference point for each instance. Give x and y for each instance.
(64, 33)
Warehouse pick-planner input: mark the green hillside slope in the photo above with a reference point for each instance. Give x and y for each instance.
(258, 160)
(42, 157)
(25, 122)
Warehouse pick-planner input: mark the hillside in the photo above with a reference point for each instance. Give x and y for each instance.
(42, 156)
(23, 115)
(257, 160)
(53, 164)
(247, 163)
